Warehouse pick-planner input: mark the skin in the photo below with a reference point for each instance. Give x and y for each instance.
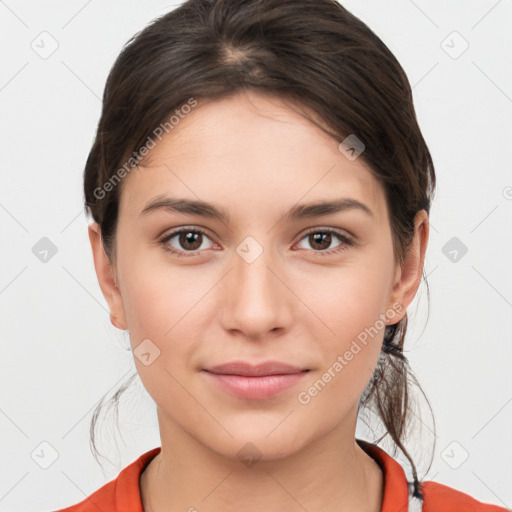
(253, 156)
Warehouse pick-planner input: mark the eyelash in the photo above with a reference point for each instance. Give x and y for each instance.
(346, 241)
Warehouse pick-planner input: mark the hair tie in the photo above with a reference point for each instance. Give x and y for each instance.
(388, 347)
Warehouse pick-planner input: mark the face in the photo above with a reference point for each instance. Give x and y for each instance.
(270, 280)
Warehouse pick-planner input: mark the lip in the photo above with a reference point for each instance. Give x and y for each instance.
(255, 382)
(259, 370)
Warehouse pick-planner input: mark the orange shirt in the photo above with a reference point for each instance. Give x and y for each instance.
(123, 493)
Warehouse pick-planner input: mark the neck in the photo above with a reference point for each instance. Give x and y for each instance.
(331, 474)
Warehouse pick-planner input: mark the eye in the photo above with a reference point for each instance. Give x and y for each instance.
(321, 239)
(188, 241)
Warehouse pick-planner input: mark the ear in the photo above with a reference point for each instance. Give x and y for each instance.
(408, 275)
(107, 279)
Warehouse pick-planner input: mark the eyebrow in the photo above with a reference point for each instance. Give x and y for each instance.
(298, 212)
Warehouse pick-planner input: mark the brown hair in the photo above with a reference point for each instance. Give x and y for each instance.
(315, 54)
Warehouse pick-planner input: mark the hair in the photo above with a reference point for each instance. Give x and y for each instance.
(310, 53)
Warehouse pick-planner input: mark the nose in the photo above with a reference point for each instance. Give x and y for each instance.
(256, 301)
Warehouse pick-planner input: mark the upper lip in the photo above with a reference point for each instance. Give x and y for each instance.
(250, 370)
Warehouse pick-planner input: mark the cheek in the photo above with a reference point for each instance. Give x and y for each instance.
(171, 308)
(349, 353)
(158, 298)
(351, 303)
(160, 335)
(349, 299)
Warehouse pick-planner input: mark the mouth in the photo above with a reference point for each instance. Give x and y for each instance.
(245, 369)
(255, 382)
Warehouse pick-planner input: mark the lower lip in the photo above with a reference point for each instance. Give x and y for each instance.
(255, 388)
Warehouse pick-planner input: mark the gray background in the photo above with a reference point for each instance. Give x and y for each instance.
(60, 354)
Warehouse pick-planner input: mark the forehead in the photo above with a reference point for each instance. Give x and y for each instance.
(252, 146)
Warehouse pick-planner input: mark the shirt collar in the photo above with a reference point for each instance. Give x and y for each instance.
(396, 489)
(395, 497)
(127, 493)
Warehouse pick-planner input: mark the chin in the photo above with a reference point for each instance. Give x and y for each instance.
(253, 444)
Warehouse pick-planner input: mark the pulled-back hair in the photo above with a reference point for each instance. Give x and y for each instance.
(312, 53)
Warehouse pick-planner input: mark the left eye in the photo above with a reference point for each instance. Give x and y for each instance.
(320, 240)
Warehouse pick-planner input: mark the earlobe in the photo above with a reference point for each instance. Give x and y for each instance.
(409, 274)
(107, 280)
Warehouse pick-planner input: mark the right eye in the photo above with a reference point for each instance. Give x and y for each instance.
(190, 240)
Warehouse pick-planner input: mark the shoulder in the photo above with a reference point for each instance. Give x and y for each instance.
(441, 498)
(122, 494)
(436, 497)
(102, 499)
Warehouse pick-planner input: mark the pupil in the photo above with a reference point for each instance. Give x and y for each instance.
(191, 238)
(325, 236)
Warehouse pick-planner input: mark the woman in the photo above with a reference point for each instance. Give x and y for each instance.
(260, 191)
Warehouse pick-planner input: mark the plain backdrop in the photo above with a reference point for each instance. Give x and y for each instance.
(60, 354)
